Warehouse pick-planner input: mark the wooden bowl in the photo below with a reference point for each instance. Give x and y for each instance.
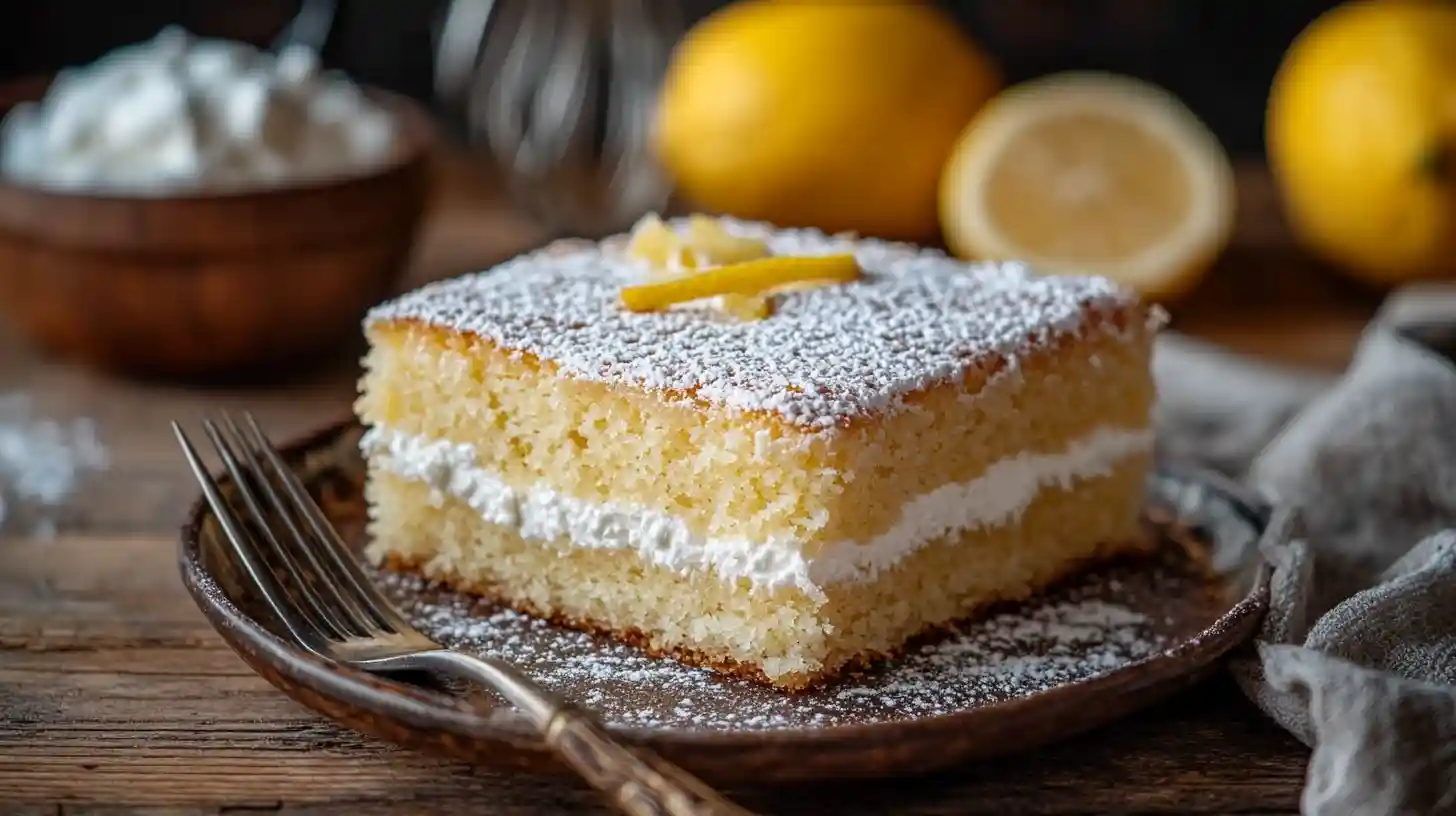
(208, 284)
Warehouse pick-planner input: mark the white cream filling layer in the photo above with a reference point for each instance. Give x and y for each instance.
(997, 497)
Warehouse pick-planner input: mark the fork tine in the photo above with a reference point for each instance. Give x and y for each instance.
(364, 590)
(243, 548)
(339, 597)
(317, 607)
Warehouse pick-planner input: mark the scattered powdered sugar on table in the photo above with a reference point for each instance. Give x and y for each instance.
(1073, 634)
(42, 463)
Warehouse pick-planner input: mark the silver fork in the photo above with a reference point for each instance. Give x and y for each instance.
(345, 618)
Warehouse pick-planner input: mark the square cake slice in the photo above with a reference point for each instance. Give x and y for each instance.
(781, 498)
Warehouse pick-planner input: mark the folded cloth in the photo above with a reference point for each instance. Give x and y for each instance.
(1357, 656)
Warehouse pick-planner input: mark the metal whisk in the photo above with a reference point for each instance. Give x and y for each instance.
(561, 93)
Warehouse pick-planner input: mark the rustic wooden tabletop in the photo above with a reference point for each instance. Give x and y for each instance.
(116, 695)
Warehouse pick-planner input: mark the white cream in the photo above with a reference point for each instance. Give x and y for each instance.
(178, 113)
(997, 497)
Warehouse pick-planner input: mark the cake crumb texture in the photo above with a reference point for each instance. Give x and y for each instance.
(787, 639)
(727, 474)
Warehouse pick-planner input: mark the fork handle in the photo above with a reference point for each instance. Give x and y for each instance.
(637, 781)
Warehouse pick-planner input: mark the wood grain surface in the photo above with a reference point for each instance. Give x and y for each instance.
(116, 696)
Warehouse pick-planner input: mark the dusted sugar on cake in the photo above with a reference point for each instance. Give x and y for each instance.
(780, 498)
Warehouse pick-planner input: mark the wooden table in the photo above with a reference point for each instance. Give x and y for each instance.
(115, 694)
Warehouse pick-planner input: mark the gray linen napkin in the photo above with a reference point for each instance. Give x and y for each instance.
(1357, 657)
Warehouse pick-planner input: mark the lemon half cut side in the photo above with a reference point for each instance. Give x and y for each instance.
(1090, 173)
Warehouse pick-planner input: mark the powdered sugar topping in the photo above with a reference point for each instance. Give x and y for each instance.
(916, 319)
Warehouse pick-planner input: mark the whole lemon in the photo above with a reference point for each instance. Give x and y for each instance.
(1361, 129)
(832, 115)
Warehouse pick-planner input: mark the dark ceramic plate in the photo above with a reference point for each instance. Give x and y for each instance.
(1109, 642)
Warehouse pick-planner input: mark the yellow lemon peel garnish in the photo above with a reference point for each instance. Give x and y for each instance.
(752, 278)
(670, 256)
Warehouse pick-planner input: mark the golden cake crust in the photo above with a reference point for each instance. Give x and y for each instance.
(1130, 320)
(828, 355)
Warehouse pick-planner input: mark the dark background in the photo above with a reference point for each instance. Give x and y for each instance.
(1218, 55)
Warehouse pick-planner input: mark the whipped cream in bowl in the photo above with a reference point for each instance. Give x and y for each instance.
(187, 207)
(183, 115)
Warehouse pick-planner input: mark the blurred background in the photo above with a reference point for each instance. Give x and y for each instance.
(1219, 56)
(881, 118)
(580, 117)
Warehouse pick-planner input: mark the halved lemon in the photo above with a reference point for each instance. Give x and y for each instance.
(1090, 173)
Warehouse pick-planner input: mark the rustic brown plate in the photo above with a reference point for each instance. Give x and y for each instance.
(1105, 644)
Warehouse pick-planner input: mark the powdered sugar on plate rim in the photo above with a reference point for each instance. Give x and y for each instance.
(1081, 631)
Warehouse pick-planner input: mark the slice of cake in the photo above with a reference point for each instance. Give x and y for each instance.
(778, 485)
